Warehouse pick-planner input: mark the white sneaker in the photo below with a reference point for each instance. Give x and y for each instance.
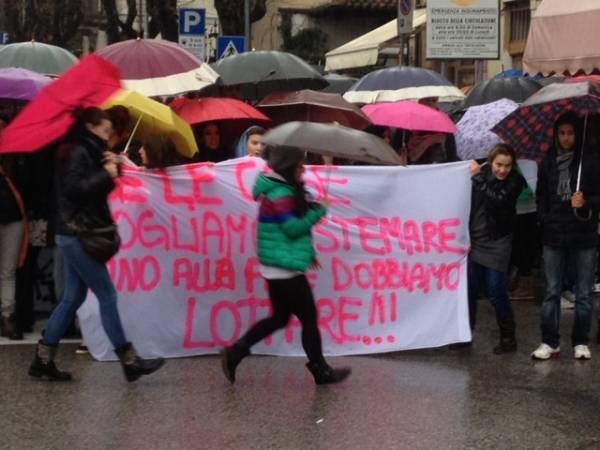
(569, 295)
(582, 352)
(544, 351)
(596, 288)
(565, 303)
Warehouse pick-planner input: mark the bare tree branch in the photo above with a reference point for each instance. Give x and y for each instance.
(231, 14)
(51, 21)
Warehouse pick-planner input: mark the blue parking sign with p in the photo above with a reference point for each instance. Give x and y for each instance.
(192, 21)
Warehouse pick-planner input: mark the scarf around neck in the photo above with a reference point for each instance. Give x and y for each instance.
(564, 160)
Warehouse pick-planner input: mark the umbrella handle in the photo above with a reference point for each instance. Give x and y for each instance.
(581, 157)
(132, 134)
(327, 182)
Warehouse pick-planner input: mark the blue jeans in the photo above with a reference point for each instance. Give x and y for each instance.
(495, 283)
(81, 272)
(555, 264)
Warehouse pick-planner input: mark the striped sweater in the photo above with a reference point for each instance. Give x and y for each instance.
(284, 239)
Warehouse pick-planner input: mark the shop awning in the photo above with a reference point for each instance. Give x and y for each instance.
(563, 38)
(365, 49)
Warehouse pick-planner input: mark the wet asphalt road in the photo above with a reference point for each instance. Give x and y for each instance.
(427, 399)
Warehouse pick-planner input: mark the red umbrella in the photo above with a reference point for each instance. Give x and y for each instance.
(49, 116)
(212, 109)
(313, 106)
(179, 102)
(233, 116)
(579, 78)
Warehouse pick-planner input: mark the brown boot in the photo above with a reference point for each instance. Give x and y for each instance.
(133, 366)
(43, 365)
(512, 279)
(524, 291)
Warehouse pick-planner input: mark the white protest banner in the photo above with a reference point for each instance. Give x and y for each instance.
(393, 250)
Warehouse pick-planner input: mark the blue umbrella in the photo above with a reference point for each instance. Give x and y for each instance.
(510, 73)
(402, 83)
(474, 138)
(516, 73)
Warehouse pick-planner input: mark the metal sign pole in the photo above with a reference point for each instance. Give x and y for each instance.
(247, 30)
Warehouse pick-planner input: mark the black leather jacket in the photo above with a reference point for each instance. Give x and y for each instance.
(498, 198)
(82, 184)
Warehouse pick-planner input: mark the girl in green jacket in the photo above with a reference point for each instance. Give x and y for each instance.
(286, 252)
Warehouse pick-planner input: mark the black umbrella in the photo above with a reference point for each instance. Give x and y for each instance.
(332, 140)
(394, 84)
(339, 84)
(551, 80)
(515, 89)
(257, 74)
(313, 106)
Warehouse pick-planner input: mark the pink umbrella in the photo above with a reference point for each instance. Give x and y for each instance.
(153, 67)
(409, 116)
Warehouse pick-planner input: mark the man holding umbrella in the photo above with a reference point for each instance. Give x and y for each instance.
(568, 213)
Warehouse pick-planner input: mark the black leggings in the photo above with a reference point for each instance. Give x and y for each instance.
(290, 296)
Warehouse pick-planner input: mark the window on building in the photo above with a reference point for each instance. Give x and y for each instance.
(519, 24)
(93, 6)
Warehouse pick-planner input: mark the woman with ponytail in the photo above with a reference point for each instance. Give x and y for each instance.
(286, 252)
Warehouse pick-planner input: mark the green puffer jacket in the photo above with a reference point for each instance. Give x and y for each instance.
(284, 239)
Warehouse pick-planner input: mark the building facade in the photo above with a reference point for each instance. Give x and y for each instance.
(338, 20)
(515, 18)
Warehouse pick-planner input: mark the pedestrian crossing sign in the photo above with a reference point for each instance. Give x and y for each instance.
(230, 45)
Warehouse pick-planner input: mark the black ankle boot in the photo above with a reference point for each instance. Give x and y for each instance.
(12, 328)
(133, 366)
(231, 358)
(3, 327)
(508, 342)
(325, 374)
(460, 345)
(506, 345)
(43, 364)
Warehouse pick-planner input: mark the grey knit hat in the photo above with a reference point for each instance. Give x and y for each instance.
(281, 158)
